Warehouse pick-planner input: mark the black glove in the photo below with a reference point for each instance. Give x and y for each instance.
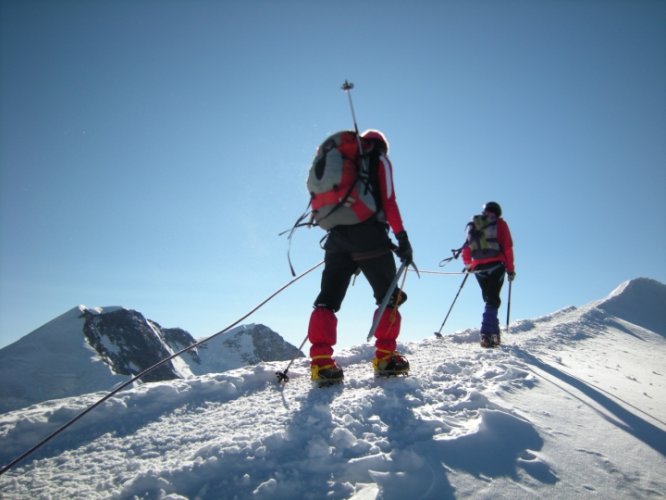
(511, 276)
(404, 251)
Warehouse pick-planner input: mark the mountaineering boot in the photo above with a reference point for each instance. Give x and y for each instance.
(493, 340)
(390, 364)
(326, 374)
(490, 332)
(486, 341)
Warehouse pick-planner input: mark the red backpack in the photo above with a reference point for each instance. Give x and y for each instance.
(339, 183)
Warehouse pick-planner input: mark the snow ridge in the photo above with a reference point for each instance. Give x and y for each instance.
(641, 301)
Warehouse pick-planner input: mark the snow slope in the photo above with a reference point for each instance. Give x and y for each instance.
(51, 362)
(572, 406)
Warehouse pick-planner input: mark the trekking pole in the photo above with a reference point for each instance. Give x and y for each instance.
(387, 298)
(282, 376)
(508, 308)
(5, 468)
(439, 332)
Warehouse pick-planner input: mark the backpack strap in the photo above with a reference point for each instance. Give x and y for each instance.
(371, 180)
(299, 223)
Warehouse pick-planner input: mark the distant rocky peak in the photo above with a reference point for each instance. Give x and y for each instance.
(129, 343)
(179, 339)
(268, 345)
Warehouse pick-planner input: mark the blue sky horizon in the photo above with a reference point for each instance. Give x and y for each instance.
(151, 152)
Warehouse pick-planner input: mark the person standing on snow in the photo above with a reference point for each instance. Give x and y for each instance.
(489, 261)
(364, 247)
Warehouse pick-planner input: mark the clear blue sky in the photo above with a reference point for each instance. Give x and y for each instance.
(151, 151)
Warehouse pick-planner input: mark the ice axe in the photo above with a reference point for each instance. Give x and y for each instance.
(387, 298)
(439, 332)
(282, 376)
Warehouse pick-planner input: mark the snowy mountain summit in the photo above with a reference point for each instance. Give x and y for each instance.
(92, 349)
(571, 406)
(641, 301)
(244, 345)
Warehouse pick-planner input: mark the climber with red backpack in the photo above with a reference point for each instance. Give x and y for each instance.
(488, 253)
(353, 199)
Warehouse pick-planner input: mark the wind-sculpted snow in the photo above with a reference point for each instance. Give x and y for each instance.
(641, 302)
(573, 407)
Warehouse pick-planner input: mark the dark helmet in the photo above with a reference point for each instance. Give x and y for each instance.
(376, 136)
(493, 207)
